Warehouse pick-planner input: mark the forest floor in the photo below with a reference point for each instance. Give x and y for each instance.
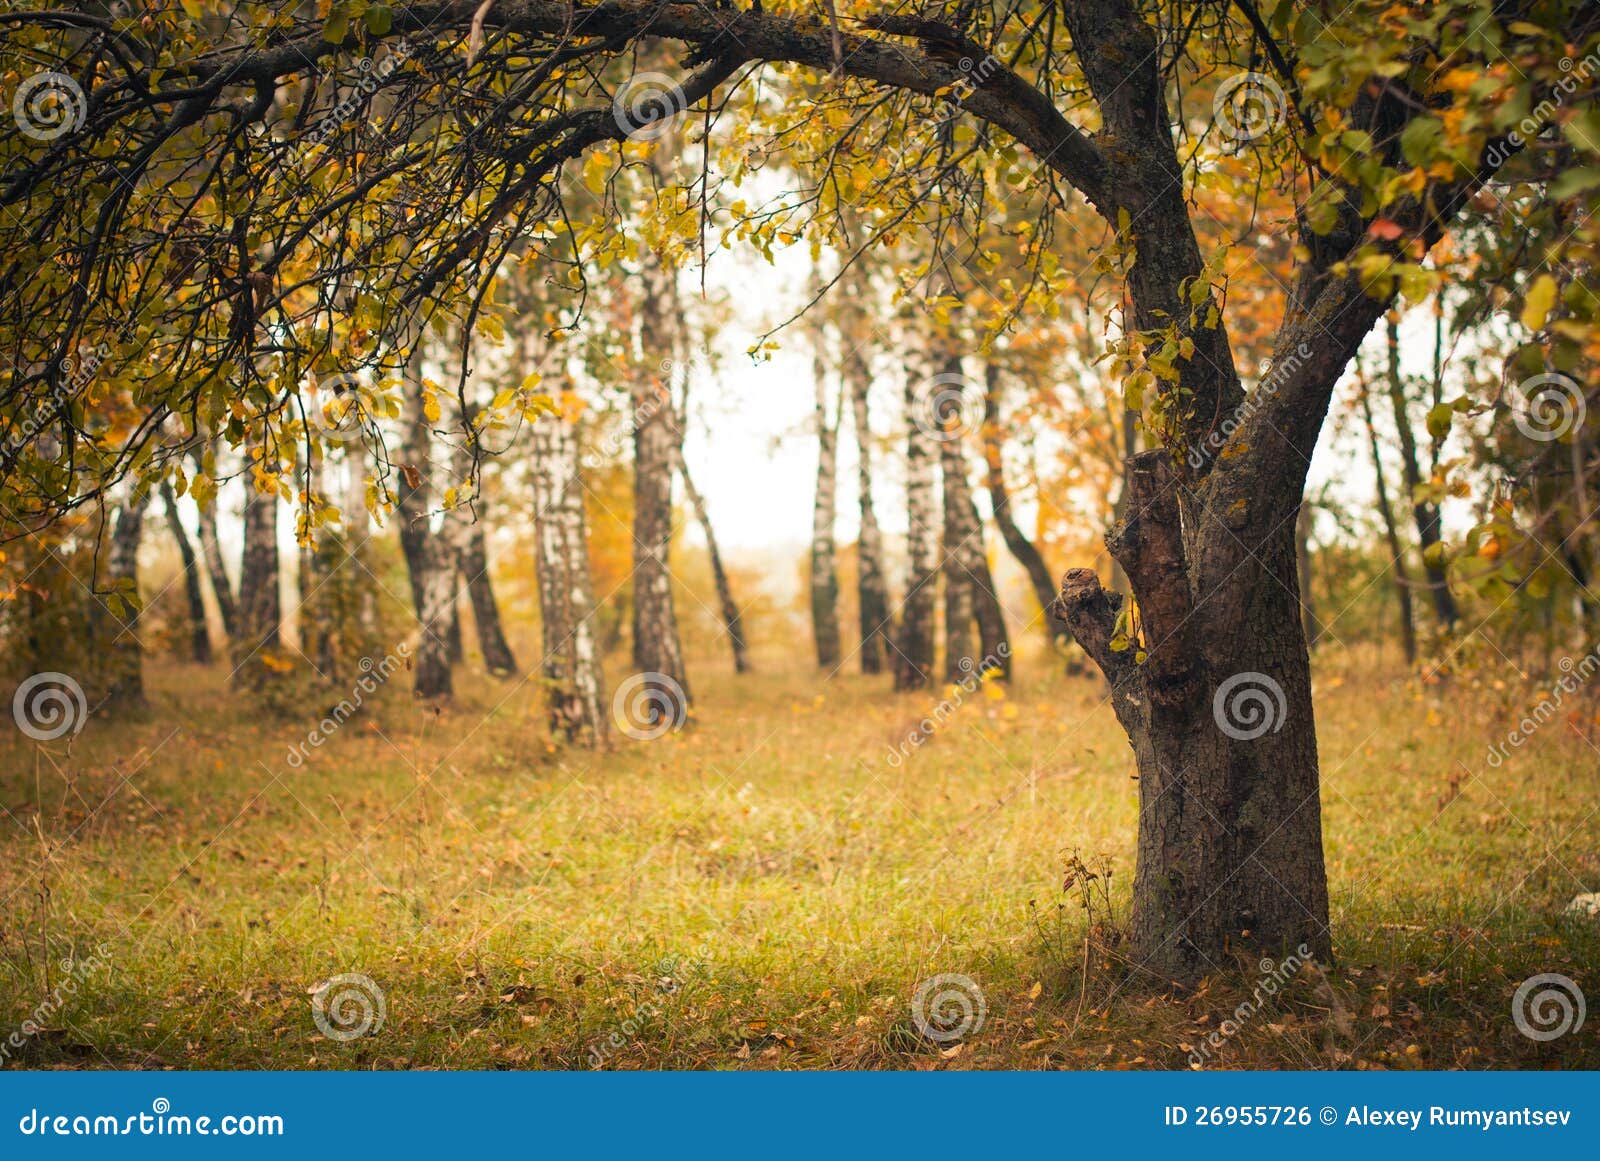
(767, 889)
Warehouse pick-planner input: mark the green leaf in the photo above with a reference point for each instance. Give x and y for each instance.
(380, 19)
(1439, 417)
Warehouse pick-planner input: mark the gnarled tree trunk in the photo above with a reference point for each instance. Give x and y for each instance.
(1219, 716)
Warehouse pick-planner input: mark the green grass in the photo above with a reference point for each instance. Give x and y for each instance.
(763, 890)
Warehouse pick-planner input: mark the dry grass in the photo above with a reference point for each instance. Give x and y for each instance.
(764, 890)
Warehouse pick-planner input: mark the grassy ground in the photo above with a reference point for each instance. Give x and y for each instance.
(765, 890)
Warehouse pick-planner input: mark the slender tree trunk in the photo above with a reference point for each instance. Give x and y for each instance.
(914, 646)
(498, 658)
(199, 636)
(872, 586)
(118, 613)
(216, 569)
(1424, 512)
(260, 608)
(970, 597)
(732, 619)
(1391, 535)
(1021, 548)
(824, 574)
(657, 654)
(571, 666)
(472, 555)
(430, 557)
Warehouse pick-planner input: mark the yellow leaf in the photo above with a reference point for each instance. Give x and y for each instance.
(1536, 307)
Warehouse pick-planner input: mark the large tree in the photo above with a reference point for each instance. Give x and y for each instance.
(173, 215)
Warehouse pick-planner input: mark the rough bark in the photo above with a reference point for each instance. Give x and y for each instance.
(1424, 512)
(872, 586)
(1219, 716)
(913, 645)
(571, 663)
(194, 593)
(824, 570)
(657, 654)
(732, 619)
(1021, 548)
